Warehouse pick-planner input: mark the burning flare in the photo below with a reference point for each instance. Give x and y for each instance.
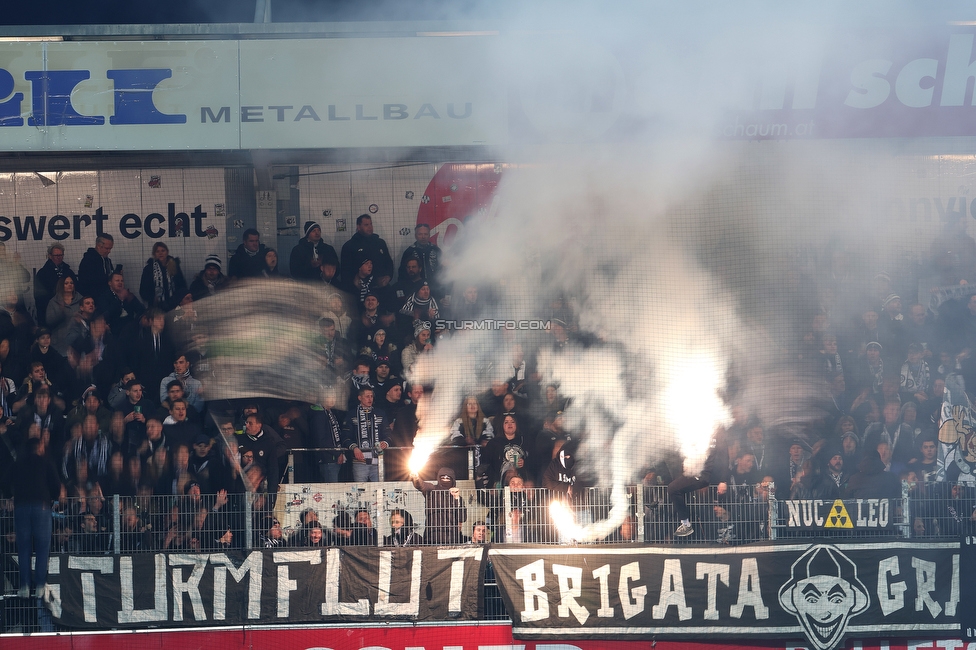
(694, 407)
(565, 521)
(422, 449)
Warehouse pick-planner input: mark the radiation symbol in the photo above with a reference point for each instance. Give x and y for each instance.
(838, 517)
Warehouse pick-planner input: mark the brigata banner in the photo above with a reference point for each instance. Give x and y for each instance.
(302, 585)
(818, 593)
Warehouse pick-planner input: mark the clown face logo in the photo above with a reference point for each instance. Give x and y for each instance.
(823, 593)
(957, 434)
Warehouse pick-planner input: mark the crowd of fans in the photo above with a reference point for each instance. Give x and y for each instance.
(108, 387)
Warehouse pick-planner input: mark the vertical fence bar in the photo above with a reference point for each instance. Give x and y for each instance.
(509, 533)
(248, 521)
(117, 525)
(380, 493)
(640, 512)
(906, 511)
(773, 508)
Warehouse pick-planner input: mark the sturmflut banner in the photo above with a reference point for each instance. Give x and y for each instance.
(300, 585)
(818, 594)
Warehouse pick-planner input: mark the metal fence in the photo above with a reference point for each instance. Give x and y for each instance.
(398, 514)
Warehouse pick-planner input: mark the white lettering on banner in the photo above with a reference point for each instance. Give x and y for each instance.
(950, 606)
(411, 608)
(602, 575)
(128, 613)
(908, 85)
(672, 592)
(532, 576)
(925, 585)
(871, 513)
(959, 70)
(251, 568)
(713, 573)
(191, 586)
(286, 586)
(871, 88)
(457, 572)
(750, 593)
(570, 581)
(88, 565)
(332, 606)
(891, 596)
(631, 607)
(54, 568)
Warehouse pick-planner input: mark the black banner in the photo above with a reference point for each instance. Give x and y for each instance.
(823, 592)
(298, 585)
(967, 604)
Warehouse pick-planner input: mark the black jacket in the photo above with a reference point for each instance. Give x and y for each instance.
(430, 261)
(172, 286)
(871, 481)
(300, 262)
(93, 273)
(33, 480)
(243, 265)
(373, 247)
(444, 511)
(716, 467)
(44, 284)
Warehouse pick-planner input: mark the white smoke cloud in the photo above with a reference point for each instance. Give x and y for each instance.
(667, 263)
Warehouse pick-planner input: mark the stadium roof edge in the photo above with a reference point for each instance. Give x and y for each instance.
(238, 31)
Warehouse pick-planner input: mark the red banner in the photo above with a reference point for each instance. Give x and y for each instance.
(485, 636)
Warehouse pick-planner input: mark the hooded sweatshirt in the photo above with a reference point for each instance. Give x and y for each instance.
(445, 511)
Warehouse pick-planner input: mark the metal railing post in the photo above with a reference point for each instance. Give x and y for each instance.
(470, 464)
(381, 467)
(771, 529)
(291, 467)
(248, 521)
(380, 494)
(117, 524)
(509, 533)
(906, 509)
(640, 512)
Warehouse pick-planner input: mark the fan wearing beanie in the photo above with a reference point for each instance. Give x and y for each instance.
(312, 259)
(210, 280)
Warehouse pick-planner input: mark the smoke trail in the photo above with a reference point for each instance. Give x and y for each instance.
(683, 288)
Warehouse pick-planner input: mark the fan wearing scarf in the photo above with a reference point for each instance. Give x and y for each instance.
(162, 279)
(421, 305)
(325, 426)
(366, 437)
